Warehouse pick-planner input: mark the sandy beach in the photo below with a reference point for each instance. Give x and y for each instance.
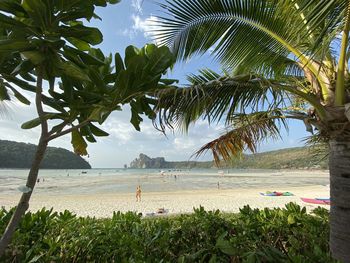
(227, 200)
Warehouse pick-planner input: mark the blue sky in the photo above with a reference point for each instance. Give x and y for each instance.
(128, 23)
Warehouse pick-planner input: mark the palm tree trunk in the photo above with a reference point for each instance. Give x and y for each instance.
(23, 203)
(339, 165)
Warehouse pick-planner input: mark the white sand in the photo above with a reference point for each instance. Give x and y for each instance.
(103, 205)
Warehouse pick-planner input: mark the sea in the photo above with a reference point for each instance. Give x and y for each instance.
(119, 180)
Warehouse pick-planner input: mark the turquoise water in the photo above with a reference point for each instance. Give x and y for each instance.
(156, 180)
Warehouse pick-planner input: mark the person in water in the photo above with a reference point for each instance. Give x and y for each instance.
(138, 193)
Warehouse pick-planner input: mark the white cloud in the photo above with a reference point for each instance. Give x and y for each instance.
(137, 5)
(146, 26)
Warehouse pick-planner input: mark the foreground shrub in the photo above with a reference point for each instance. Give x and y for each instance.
(252, 235)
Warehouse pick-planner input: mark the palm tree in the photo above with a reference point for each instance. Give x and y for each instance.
(285, 60)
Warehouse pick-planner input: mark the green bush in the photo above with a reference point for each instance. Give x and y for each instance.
(253, 235)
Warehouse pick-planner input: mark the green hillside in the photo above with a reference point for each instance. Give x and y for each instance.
(290, 158)
(20, 155)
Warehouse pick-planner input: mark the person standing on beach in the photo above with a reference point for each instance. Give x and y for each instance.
(138, 193)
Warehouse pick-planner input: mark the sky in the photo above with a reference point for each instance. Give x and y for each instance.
(123, 24)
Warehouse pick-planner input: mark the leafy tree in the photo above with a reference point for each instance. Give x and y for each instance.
(46, 41)
(283, 64)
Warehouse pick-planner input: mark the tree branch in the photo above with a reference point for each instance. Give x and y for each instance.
(59, 134)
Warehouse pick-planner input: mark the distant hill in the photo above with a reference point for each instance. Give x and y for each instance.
(290, 158)
(20, 155)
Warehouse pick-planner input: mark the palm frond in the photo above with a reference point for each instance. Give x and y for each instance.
(240, 31)
(248, 131)
(323, 20)
(216, 98)
(318, 146)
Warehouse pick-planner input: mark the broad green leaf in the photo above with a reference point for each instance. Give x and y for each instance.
(34, 56)
(3, 92)
(73, 71)
(9, 6)
(24, 67)
(135, 117)
(13, 45)
(119, 64)
(19, 96)
(38, 11)
(130, 52)
(225, 246)
(99, 114)
(90, 35)
(114, 1)
(13, 23)
(97, 131)
(78, 43)
(78, 143)
(31, 124)
(85, 57)
(23, 84)
(291, 219)
(169, 81)
(36, 122)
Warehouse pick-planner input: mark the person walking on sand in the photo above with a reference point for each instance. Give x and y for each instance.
(138, 193)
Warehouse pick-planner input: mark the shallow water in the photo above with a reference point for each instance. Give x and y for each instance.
(96, 181)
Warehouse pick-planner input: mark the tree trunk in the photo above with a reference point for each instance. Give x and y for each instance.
(23, 203)
(339, 166)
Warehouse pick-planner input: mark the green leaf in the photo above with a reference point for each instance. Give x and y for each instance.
(31, 124)
(225, 246)
(80, 44)
(38, 11)
(19, 96)
(119, 64)
(114, 1)
(135, 118)
(99, 114)
(13, 23)
(78, 143)
(130, 52)
(90, 35)
(23, 84)
(3, 92)
(9, 6)
(34, 56)
(169, 81)
(70, 69)
(36, 258)
(24, 67)
(291, 219)
(85, 57)
(13, 45)
(36, 122)
(97, 131)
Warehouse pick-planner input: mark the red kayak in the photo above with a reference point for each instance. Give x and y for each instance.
(316, 201)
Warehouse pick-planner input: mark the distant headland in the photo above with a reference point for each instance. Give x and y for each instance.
(20, 155)
(289, 158)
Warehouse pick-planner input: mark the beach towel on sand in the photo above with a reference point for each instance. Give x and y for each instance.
(316, 201)
(268, 193)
